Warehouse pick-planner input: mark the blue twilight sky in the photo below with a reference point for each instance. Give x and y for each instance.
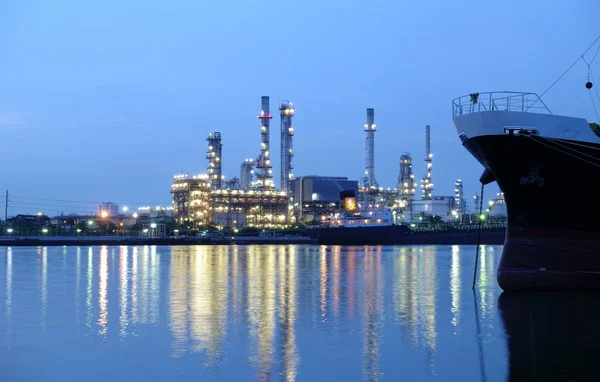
(107, 100)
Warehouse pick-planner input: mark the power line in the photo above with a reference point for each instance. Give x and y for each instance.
(50, 208)
(593, 58)
(44, 205)
(80, 201)
(566, 71)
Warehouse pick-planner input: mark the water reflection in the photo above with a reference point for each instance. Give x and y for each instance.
(103, 291)
(77, 283)
(123, 291)
(287, 311)
(261, 309)
(551, 336)
(44, 288)
(455, 287)
(88, 290)
(8, 290)
(372, 314)
(198, 302)
(323, 282)
(272, 311)
(415, 297)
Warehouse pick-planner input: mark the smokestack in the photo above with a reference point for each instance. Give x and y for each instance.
(370, 149)
(426, 184)
(263, 162)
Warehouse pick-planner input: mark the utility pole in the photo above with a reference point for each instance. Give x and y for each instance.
(6, 208)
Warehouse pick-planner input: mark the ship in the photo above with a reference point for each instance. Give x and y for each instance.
(545, 164)
(373, 225)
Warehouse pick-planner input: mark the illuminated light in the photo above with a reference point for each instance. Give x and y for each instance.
(135, 215)
(482, 217)
(78, 230)
(39, 214)
(104, 214)
(10, 230)
(90, 222)
(153, 225)
(125, 208)
(45, 230)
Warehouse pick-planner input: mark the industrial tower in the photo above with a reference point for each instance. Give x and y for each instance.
(263, 162)
(426, 184)
(406, 179)
(459, 200)
(246, 173)
(287, 149)
(213, 155)
(370, 149)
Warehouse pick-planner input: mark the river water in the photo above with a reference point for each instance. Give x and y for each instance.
(282, 313)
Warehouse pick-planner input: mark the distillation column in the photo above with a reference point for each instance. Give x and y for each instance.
(426, 183)
(406, 180)
(215, 148)
(459, 198)
(263, 162)
(246, 173)
(287, 150)
(370, 149)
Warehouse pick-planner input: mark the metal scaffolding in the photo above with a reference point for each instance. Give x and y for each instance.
(215, 148)
(426, 182)
(406, 180)
(263, 162)
(287, 110)
(459, 198)
(246, 174)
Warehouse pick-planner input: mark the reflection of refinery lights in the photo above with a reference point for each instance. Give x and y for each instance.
(323, 283)
(77, 284)
(455, 289)
(103, 291)
(178, 298)
(88, 295)
(8, 301)
(123, 275)
(261, 309)
(287, 311)
(44, 287)
(372, 314)
(335, 276)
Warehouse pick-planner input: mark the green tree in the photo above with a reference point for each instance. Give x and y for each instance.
(111, 228)
(83, 226)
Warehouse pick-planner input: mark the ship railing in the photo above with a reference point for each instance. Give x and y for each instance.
(499, 101)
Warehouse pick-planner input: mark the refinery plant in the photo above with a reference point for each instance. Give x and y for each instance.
(252, 200)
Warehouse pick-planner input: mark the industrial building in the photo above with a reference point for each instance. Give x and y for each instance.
(190, 199)
(252, 200)
(249, 208)
(496, 208)
(108, 209)
(406, 181)
(209, 199)
(314, 195)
